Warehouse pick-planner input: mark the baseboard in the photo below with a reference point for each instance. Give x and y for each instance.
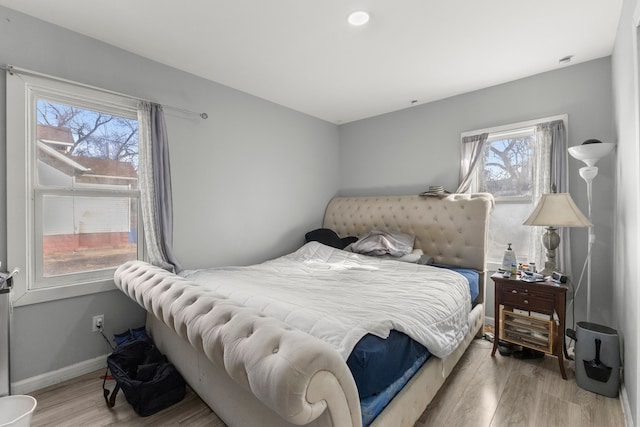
(489, 321)
(55, 377)
(60, 375)
(626, 409)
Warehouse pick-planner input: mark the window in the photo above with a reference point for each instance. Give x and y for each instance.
(505, 170)
(73, 166)
(514, 166)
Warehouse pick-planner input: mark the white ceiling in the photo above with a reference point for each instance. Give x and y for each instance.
(302, 53)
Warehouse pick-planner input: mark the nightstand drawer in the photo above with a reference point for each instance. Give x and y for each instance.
(528, 301)
(524, 288)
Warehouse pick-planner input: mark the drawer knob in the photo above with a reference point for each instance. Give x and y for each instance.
(526, 301)
(514, 291)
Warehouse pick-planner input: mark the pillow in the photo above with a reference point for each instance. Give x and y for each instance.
(328, 237)
(416, 257)
(384, 242)
(426, 260)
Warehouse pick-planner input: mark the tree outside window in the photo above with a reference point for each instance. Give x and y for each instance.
(506, 171)
(84, 149)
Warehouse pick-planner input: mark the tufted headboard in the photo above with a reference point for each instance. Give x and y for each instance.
(451, 229)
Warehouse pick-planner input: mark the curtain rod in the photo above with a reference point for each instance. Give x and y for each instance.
(14, 70)
(518, 125)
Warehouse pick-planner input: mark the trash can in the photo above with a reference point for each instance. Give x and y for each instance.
(597, 359)
(16, 411)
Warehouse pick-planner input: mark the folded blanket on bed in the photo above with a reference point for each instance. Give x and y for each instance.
(339, 296)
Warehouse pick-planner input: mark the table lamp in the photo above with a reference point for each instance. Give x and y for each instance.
(552, 211)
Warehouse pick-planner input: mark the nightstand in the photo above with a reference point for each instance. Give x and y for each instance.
(524, 315)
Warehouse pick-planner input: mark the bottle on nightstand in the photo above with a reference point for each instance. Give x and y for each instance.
(509, 258)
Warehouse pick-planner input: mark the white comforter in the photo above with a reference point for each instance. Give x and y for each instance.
(339, 296)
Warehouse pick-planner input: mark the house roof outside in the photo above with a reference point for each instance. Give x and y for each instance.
(53, 146)
(107, 167)
(55, 135)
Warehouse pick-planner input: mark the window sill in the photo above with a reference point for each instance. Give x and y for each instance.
(22, 296)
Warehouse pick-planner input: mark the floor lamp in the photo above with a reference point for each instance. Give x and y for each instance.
(590, 152)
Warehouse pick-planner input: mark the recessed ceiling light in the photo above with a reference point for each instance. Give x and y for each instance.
(357, 18)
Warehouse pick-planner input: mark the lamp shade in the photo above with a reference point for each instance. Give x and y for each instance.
(557, 210)
(590, 152)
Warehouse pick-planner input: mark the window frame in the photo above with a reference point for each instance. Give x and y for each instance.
(24, 195)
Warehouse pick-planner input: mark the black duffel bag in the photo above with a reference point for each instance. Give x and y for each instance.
(150, 383)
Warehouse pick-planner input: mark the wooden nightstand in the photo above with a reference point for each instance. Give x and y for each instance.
(524, 315)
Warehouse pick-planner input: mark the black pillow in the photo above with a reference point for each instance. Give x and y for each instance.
(329, 237)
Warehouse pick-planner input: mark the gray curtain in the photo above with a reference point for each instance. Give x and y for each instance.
(472, 149)
(155, 187)
(554, 134)
(559, 172)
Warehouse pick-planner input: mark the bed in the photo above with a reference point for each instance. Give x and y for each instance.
(257, 365)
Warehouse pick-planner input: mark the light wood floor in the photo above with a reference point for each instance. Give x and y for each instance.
(482, 391)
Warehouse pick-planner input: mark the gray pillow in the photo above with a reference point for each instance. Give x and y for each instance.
(378, 242)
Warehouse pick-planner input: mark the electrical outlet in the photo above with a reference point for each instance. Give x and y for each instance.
(97, 324)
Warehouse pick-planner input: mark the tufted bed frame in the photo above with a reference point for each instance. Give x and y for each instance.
(253, 370)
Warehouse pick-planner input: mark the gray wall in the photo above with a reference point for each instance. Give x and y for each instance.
(248, 182)
(626, 298)
(403, 152)
(408, 150)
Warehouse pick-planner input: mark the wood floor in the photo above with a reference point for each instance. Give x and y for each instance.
(482, 391)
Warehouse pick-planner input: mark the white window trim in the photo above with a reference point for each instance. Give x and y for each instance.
(517, 125)
(20, 175)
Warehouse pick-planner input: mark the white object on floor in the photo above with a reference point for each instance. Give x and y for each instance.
(16, 411)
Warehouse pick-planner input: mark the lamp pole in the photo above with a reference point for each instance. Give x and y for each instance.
(588, 173)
